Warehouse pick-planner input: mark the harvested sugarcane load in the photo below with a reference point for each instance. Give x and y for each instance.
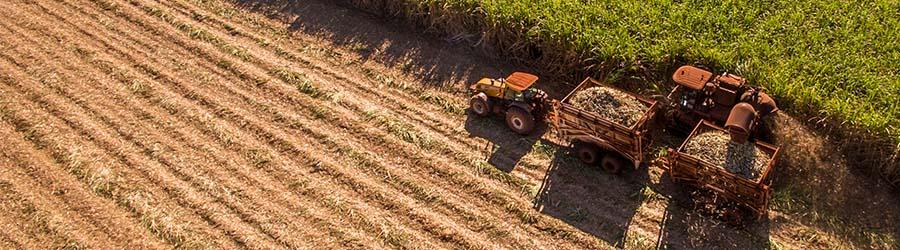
(711, 159)
(717, 148)
(611, 104)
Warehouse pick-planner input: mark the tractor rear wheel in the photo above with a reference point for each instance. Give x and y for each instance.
(612, 164)
(587, 153)
(480, 105)
(519, 120)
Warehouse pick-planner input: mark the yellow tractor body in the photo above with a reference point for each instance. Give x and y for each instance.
(513, 96)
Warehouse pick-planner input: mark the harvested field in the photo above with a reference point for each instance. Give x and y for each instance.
(611, 104)
(717, 148)
(150, 124)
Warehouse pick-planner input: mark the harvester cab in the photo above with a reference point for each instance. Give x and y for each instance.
(512, 96)
(725, 99)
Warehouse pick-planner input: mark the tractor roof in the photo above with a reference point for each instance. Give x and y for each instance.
(692, 77)
(519, 81)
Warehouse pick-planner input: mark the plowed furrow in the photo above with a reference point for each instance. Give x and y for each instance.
(178, 156)
(395, 104)
(178, 150)
(156, 220)
(256, 67)
(101, 213)
(249, 156)
(283, 46)
(222, 194)
(21, 225)
(73, 130)
(47, 211)
(369, 105)
(369, 84)
(420, 113)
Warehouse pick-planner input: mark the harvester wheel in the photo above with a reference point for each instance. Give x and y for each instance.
(612, 164)
(519, 120)
(587, 153)
(480, 105)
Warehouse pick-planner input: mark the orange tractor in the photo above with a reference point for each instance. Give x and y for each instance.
(725, 99)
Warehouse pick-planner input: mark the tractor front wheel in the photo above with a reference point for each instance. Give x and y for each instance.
(519, 120)
(480, 105)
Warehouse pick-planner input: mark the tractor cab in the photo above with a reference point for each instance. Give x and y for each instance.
(516, 87)
(513, 96)
(725, 99)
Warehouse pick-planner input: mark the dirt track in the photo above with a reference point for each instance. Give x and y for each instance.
(153, 124)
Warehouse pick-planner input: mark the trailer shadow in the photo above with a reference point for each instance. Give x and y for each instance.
(585, 197)
(687, 223)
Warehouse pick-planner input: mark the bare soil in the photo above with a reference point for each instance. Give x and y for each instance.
(306, 124)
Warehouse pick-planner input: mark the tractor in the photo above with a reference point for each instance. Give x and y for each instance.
(725, 99)
(513, 96)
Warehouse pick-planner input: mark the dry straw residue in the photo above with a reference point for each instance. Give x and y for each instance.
(716, 147)
(610, 104)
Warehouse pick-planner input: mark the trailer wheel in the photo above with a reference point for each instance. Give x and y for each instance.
(587, 153)
(480, 105)
(519, 120)
(612, 164)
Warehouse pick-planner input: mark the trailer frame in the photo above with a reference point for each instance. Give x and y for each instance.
(752, 194)
(575, 125)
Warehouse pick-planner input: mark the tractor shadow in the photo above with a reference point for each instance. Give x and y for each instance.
(597, 203)
(504, 148)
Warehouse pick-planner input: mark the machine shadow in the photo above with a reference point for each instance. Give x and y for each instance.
(435, 61)
(504, 148)
(687, 224)
(585, 197)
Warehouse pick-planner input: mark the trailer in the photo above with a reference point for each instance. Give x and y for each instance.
(600, 141)
(750, 194)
